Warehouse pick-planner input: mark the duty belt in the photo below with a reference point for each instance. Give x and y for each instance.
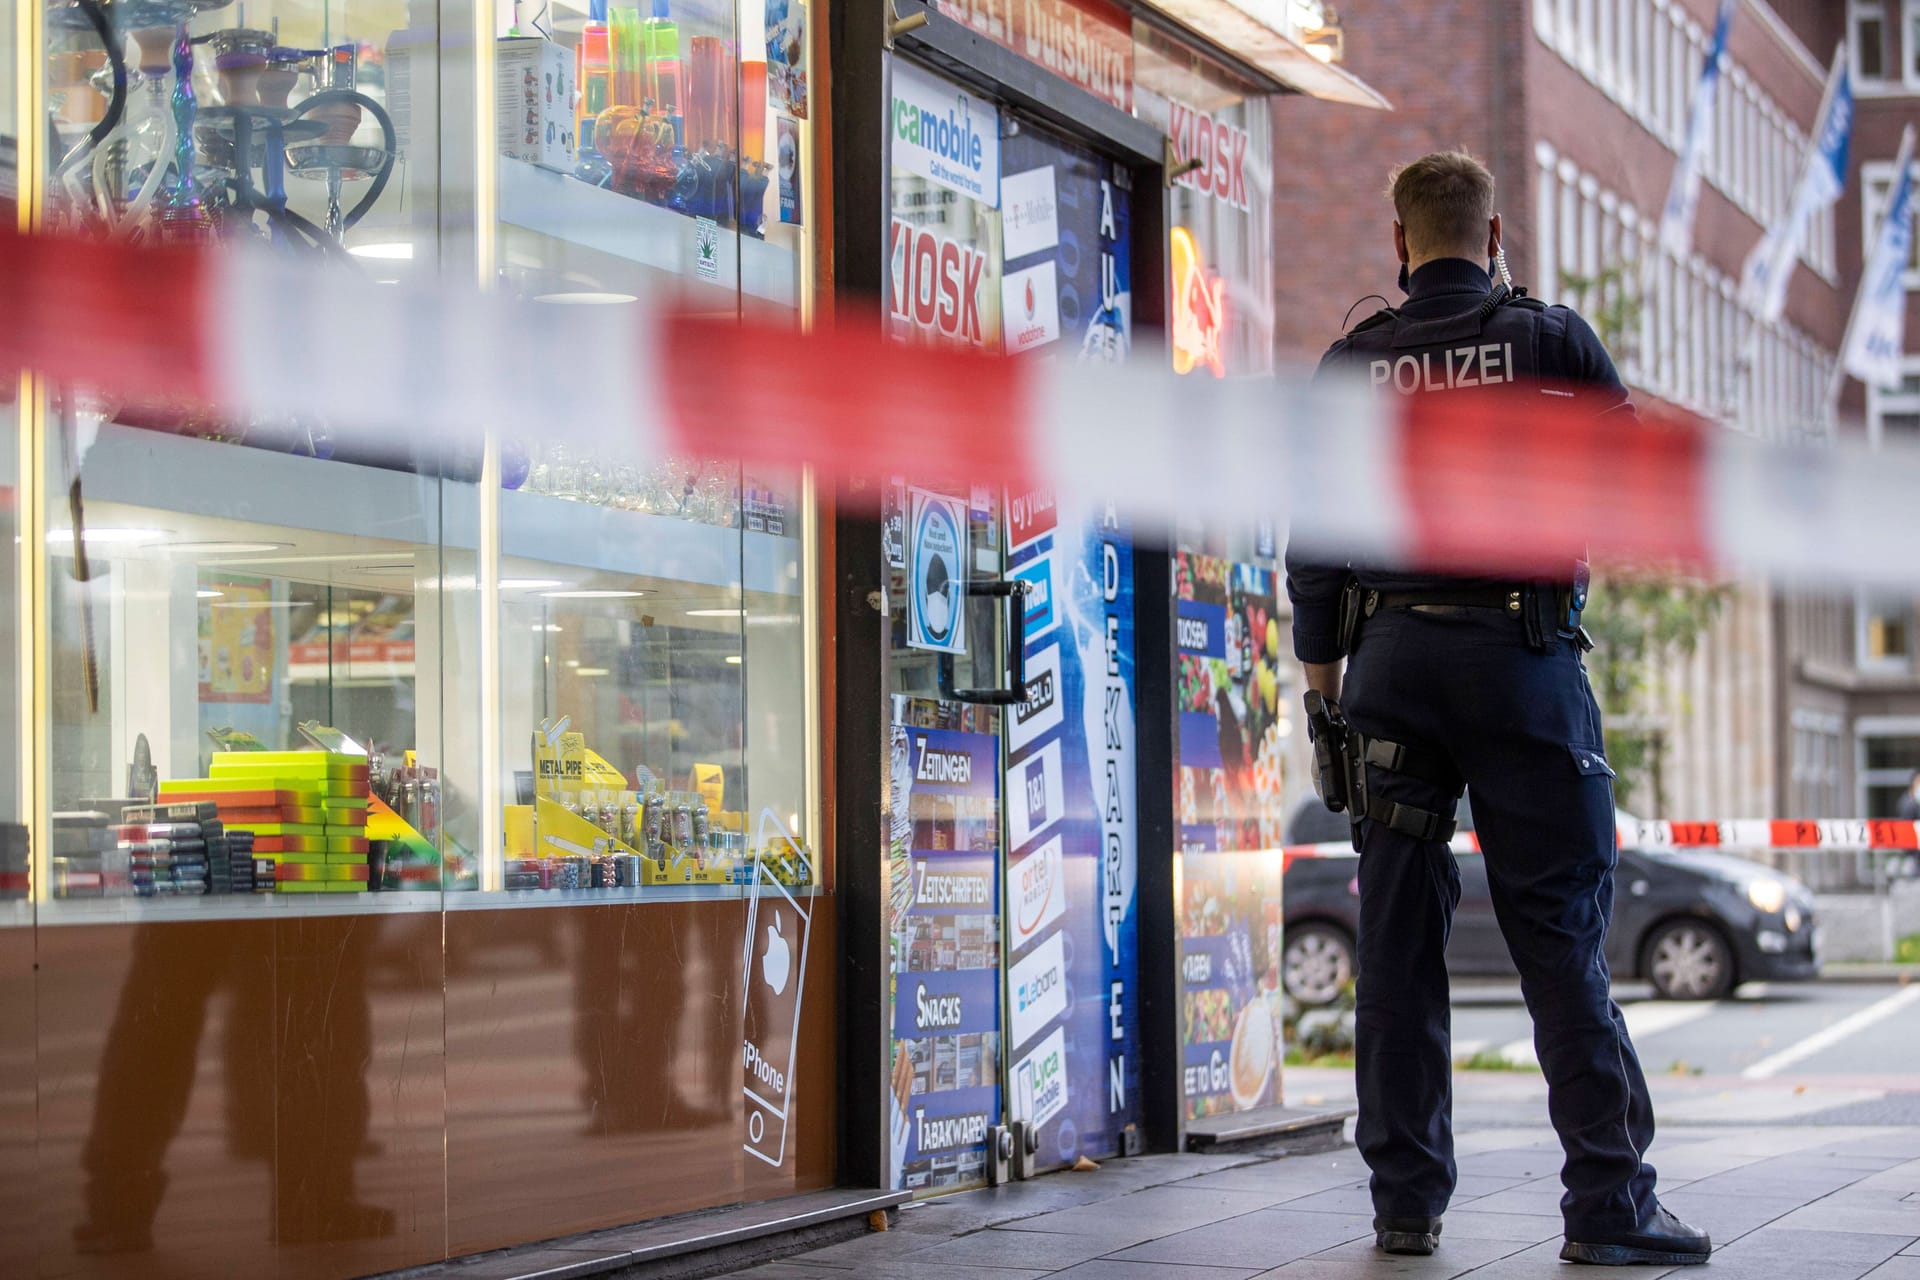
(1497, 597)
(1547, 609)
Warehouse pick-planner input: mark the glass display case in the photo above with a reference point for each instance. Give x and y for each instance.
(287, 669)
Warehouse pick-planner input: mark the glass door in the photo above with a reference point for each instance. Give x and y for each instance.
(1011, 665)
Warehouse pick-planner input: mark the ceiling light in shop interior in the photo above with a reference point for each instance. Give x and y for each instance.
(591, 594)
(226, 548)
(391, 251)
(204, 594)
(106, 536)
(548, 626)
(530, 584)
(585, 298)
(715, 613)
(590, 671)
(733, 659)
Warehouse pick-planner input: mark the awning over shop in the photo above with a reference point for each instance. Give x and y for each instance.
(1257, 32)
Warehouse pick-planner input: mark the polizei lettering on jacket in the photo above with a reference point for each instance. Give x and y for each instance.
(944, 1133)
(1484, 365)
(952, 767)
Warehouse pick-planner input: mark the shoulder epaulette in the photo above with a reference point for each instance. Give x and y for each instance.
(1531, 304)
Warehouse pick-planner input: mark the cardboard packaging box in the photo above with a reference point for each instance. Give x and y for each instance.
(533, 112)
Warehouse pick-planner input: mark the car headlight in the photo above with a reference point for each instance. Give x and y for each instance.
(1767, 895)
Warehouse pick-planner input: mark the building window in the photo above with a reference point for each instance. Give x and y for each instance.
(1910, 46)
(1816, 765)
(1883, 635)
(1894, 413)
(1887, 752)
(1876, 182)
(1867, 25)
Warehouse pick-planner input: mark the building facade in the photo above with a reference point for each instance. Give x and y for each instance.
(1580, 108)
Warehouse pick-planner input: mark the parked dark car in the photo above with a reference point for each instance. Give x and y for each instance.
(1695, 925)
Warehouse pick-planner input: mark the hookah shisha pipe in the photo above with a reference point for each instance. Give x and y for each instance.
(342, 106)
(185, 219)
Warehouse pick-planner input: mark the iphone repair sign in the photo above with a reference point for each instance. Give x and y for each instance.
(775, 959)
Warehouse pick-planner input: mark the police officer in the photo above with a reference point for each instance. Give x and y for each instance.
(1456, 682)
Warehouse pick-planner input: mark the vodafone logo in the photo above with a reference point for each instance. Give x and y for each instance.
(1029, 299)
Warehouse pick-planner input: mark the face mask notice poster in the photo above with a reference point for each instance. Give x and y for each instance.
(1231, 782)
(1071, 921)
(944, 929)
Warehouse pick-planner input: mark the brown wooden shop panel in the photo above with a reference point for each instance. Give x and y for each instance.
(360, 1074)
(156, 1099)
(223, 1098)
(594, 1074)
(19, 1085)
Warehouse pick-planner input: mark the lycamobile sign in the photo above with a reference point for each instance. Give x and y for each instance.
(943, 134)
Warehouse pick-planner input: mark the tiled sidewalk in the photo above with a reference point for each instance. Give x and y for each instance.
(1800, 1202)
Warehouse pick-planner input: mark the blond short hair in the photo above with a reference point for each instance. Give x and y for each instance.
(1444, 202)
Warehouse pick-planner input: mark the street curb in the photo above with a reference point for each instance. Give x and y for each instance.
(1869, 972)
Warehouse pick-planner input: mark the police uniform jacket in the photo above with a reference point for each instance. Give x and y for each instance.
(1444, 339)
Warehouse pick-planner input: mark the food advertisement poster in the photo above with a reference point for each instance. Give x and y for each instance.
(1232, 719)
(1230, 980)
(943, 896)
(237, 640)
(1071, 918)
(1231, 782)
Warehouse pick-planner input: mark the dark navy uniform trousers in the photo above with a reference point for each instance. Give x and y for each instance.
(1522, 729)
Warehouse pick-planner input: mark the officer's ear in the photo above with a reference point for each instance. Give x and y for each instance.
(1493, 237)
(1400, 242)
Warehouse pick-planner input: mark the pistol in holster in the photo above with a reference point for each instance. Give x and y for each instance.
(1338, 773)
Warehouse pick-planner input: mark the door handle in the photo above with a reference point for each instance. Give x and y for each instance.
(1016, 690)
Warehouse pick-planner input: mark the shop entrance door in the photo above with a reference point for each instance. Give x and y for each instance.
(1011, 666)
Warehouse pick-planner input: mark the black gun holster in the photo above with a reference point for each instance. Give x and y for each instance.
(1341, 755)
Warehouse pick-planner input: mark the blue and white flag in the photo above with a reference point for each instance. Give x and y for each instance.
(1683, 196)
(1763, 279)
(1877, 333)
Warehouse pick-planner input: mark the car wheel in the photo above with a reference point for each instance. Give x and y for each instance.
(1317, 964)
(1689, 960)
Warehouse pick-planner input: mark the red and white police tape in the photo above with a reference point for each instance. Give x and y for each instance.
(1466, 478)
(1746, 835)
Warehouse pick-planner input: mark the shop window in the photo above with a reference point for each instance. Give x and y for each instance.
(544, 666)
(1867, 38)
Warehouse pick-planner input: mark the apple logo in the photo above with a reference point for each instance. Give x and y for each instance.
(776, 961)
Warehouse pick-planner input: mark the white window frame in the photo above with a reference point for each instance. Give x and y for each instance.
(1910, 47)
(1546, 223)
(1857, 10)
(1878, 727)
(1876, 184)
(1881, 403)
